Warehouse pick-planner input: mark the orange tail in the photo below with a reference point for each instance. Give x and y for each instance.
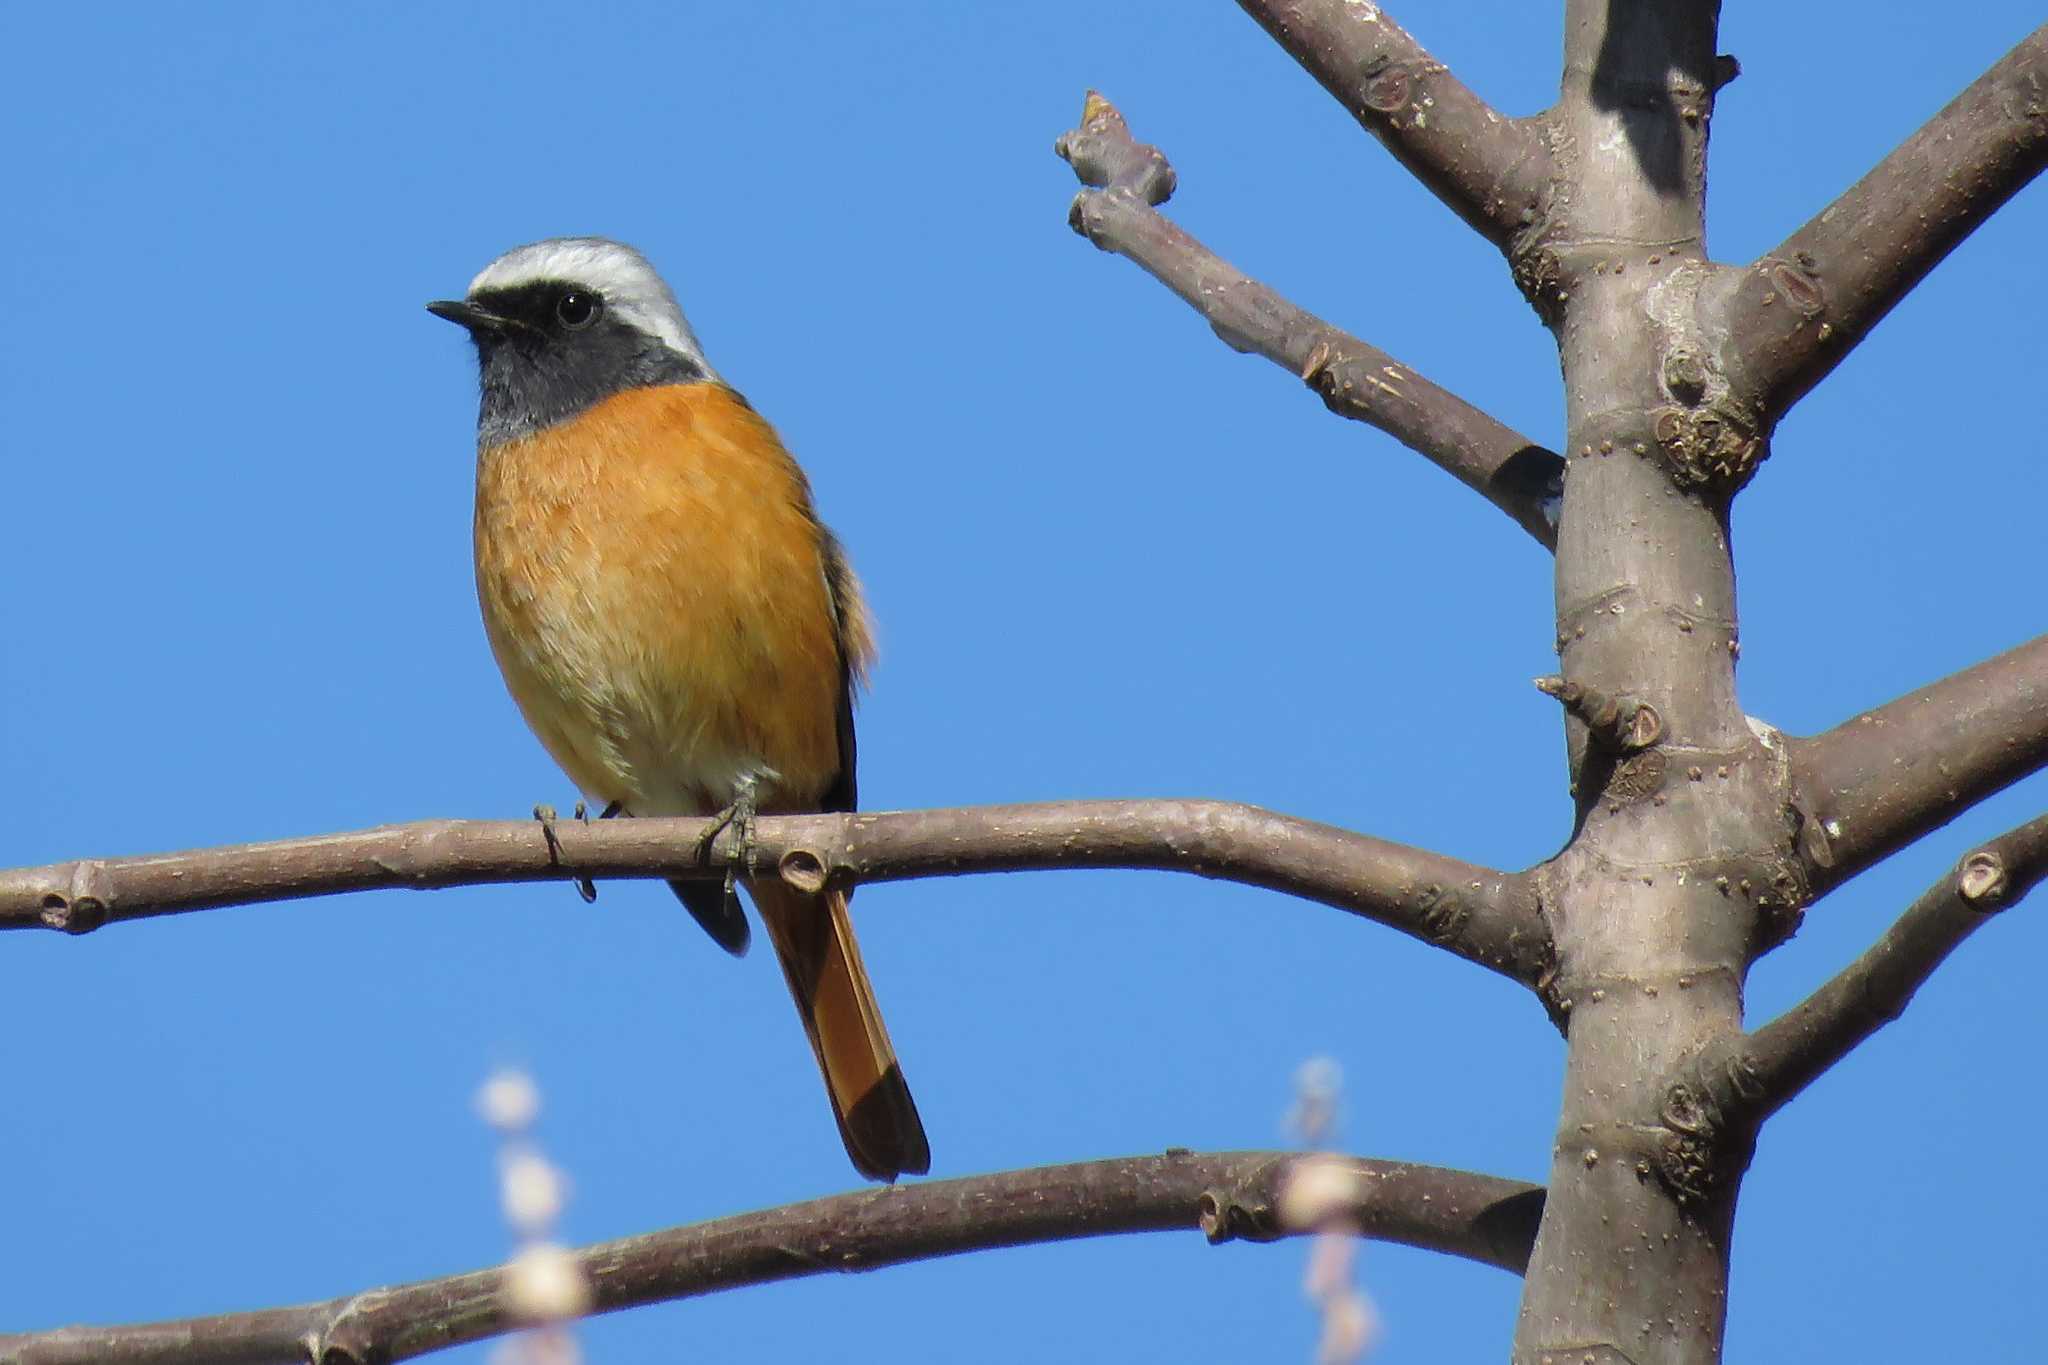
(813, 937)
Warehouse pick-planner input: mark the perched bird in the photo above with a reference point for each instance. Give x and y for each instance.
(677, 626)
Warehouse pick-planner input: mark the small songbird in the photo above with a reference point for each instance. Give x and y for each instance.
(677, 626)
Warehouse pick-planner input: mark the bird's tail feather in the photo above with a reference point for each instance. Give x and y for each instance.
(813, 938)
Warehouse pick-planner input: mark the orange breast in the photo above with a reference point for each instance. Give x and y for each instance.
(652, 583)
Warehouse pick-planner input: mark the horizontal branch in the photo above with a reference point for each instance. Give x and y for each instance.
(1230, 1195)
(1485, 916)
(1355, 380)
(1803, 306)
(1875, 784)
(1747, 1080)
(1491, 171)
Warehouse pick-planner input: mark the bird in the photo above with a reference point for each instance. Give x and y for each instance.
(676, 625)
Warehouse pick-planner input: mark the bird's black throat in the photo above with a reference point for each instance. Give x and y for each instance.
(536, 371)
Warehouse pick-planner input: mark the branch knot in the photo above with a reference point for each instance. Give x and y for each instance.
(1103, 154)
(1711, 448)
(82, 905)
(1442, 913)
(805, 870)
(1390, 86)
(1982, 882)
(1708, 1117)
(1226, 1218)
(1619, 722)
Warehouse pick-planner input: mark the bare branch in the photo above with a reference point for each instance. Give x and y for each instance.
(1875, 784)
(1745, 1081)
(1228, 1195)
(1799, 309)
(1485, 916)
(1491, 171)
(1355, 380)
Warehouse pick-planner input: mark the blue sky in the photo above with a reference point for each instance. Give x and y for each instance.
(1109, 558)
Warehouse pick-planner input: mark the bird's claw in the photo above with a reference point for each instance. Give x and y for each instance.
(545, 813)
(739, 818)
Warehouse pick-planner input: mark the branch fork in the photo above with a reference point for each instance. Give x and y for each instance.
(1727, 1091)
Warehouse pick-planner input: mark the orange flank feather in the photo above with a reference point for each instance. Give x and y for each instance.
(673, 622)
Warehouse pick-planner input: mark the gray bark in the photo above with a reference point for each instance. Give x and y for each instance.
(1632, 1259)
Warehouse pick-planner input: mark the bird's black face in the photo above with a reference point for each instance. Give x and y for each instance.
(550, 349)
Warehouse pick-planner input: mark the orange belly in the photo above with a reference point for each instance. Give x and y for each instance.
(653, 585)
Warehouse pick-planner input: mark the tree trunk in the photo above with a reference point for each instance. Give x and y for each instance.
(1655, 904)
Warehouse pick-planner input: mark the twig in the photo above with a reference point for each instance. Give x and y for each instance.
(1356, 380)
(1735, 1086)
(1491, 171)
(1876, 783)
(1799, 309)
(1227, 1195)
(1621, 723)
(1485, 916)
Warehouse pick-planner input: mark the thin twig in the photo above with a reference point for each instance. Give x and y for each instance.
(1485, 916)
(1227, 1195)
(1356, 380)
(1621, 723)
(1794, 313)
(1735, 1086)
(1489, 170)
(1874, 784)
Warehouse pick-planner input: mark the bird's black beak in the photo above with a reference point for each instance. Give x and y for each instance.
(469, 315)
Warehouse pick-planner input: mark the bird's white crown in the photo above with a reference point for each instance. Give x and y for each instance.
(632, 290)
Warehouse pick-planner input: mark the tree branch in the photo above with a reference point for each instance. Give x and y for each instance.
(1485, 916)
(1355, 380)
(1744, 1082)
(1875, 784)
(1799, 309)
(1493, 172)
(1229, 1195)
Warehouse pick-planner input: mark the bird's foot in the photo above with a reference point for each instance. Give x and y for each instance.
(544, 813)
(738, 816)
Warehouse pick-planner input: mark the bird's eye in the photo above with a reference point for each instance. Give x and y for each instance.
(578, 309)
